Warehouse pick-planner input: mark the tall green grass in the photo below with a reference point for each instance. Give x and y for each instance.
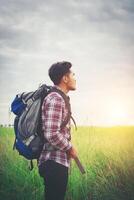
(106, 153)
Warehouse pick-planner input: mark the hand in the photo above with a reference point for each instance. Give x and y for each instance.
(72, 153)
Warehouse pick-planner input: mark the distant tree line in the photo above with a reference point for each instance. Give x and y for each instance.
(6, 125)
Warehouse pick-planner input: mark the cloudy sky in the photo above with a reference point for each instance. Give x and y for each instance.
(96, 36)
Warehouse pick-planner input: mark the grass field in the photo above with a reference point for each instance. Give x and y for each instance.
(106, 153)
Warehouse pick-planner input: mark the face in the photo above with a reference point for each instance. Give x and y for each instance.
(70, 80)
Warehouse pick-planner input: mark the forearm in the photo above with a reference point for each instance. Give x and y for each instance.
(58, 140)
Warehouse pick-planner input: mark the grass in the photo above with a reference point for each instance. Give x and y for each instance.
(106, 153)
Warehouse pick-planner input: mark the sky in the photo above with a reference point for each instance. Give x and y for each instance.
(97, 37)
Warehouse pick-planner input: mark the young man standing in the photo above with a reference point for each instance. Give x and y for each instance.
(55, 158)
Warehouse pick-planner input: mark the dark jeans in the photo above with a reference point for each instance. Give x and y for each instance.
(55, 179)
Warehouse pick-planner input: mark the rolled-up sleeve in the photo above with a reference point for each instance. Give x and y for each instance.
(52, 120)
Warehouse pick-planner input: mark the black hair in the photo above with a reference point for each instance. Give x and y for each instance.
(58, 70)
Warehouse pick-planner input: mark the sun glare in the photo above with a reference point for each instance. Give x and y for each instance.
(117, 113)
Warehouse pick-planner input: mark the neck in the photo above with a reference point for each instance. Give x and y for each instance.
(62, 88)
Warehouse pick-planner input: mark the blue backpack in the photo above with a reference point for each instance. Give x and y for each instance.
(27, 123)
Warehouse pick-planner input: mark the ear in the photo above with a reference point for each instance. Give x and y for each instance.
(65, 79)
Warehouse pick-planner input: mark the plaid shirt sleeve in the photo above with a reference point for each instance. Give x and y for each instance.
(52, 120)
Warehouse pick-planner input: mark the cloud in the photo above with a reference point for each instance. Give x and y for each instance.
(27, 23)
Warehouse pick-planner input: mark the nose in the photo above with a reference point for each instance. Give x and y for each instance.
(74, 77)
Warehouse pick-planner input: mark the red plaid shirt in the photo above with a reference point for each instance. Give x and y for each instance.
(54, 112)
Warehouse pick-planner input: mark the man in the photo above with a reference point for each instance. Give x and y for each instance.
(55, 158)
